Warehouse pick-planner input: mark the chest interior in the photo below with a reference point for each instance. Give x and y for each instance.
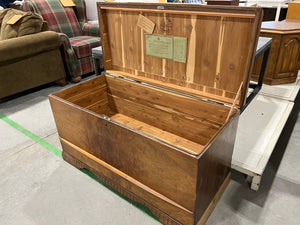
(179, 120)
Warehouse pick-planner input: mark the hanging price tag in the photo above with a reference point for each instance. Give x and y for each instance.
(14, 19)
(146, 24)
(67, 3)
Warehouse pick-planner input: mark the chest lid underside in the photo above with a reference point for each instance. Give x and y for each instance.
(205, 51)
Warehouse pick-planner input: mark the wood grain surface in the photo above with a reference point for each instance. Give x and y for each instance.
(220, 50)
(281, 27)
(153, 136)
(283, 62)
(167, 170)
(159, 205)
(165, 149)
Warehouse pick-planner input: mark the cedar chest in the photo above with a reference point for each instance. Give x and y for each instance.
(160, 124)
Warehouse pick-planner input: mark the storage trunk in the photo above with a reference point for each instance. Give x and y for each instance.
(159, 127)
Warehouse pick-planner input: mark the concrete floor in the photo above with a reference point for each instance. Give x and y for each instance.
(38, 187)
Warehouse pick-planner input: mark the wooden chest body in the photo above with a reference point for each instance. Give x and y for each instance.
(283, 61)
(158, 130)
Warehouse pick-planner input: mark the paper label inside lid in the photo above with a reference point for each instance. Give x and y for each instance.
(166, 47)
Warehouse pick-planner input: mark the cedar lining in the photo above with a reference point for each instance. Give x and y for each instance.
(176, 119)
(216, 60)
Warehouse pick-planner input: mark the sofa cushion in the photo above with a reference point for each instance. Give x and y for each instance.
(83, 45)
(29, 23)
(2, 14)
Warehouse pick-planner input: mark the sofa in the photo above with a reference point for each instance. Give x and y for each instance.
(77, 35)
(30, 56)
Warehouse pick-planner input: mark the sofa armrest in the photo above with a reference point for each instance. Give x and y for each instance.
(28, 45)
(64, 39)
(91, 30)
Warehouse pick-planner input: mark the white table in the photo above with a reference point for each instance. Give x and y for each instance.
(259, 128)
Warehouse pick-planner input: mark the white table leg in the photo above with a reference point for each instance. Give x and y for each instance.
(255, 182)
(278, 12)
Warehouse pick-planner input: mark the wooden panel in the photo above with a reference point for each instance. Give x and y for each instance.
(155, 107)
(287, 64)
(234, 50)
(167, 170)
(91, 95)
(179, 27)
(214, 166)
(281, 27)
(207, 30)
(131, 46)
(215, 200)
(115, 32)
(201, 92)
(168, 137)
(153, 96)
(152, 65)
(80, 89)
(272, 59)
(187, 128)
(105, 42)
(178, 10)
(293, 10)
(221, 45)
(160, 206)
(282, 66)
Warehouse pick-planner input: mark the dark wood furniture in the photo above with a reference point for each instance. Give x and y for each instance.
(270, 14)
(157, 130)
(283, 63)
(263, 48)
(222, 2)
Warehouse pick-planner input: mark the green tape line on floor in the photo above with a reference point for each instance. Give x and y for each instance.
(58, 152)
(32, 136)
(138, 205)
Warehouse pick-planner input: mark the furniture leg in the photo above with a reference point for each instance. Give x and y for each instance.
(62, 82)
(255, 182)
(95, 65)
(76, 79)
(70, 159)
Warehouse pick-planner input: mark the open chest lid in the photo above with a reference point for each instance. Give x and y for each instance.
(204, 51)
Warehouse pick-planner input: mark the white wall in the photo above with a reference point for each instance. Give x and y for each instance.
(92, 9)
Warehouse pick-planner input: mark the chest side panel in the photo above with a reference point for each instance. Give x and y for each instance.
(164, 169)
